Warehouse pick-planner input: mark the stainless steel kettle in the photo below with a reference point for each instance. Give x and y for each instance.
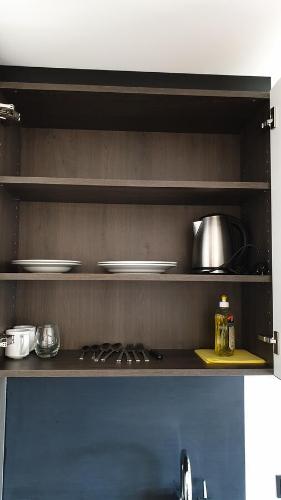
(215, 244)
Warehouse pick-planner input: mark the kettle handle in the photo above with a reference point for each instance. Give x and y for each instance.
(238, 224)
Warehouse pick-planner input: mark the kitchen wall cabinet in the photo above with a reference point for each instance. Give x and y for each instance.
(109, 165)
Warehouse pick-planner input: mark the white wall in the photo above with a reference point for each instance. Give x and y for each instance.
(262, 436)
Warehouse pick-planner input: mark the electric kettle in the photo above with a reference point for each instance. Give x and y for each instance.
(215, 244)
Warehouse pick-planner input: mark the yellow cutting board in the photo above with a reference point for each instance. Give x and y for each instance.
(240, 357)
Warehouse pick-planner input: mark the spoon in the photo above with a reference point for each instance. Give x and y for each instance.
(114, 348)
(103, 348)
(83, 352)
(94, 349)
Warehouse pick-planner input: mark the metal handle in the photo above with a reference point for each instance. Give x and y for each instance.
(267, 340)
(7, 111)
(205, 493)
(271, 340)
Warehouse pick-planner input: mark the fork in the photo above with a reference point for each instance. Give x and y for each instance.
(140, 348)
(131, 348)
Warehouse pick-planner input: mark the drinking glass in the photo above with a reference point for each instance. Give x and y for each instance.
(47, 341)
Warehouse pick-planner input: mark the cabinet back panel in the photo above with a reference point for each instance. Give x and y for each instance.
(94, 232)
(130, 155)
(173, 315)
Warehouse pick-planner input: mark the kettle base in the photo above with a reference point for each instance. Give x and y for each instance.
(204, 270)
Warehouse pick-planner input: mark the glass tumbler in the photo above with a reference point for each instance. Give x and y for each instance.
(47, 341)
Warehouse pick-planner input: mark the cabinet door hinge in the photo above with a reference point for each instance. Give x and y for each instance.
(8, 112)
(274, 340)
(271, 121)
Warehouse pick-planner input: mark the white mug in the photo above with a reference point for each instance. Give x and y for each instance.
(31, 330)
(19, 348)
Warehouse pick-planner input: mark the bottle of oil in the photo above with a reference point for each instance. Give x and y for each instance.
(224, 329)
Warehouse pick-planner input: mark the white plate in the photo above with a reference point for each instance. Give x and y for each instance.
(137, 266)
(46, 265)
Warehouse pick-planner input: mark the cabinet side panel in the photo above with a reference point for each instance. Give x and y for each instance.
(9, 165)
(255, 147)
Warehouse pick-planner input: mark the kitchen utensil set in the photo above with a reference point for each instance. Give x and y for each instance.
(131, 353)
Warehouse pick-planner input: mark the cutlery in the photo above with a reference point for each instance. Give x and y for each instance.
(83, 352)
(94, 349)
(131, 348)
(103, 348)
(140, 348)
(114, 348)
(122, 353)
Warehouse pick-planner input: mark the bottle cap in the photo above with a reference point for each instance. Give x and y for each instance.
(224, 301)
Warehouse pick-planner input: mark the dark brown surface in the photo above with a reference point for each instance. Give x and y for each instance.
(180, 315)
(177, 314)
(93, 233)
(175, 363)
(9, 156)
(116, 110)
(131, 192)
(257, 301)
(168, 277)
(39, 75)
(159, 156)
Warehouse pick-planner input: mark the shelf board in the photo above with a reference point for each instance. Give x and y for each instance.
(180, 278)
(153, 192)
(126, 107)
(175, 363)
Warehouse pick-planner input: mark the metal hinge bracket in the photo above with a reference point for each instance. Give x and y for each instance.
(8, 112)
(271, 121)
(274, 340)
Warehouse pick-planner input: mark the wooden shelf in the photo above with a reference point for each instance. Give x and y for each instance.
(175, 363)
(131, 191)
(129, 107)
(180, 278)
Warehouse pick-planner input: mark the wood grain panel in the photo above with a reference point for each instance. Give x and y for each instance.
(74, 190)
(9, 165)
(176, 363)
(130, 155)
(92, 233)
(9, 149)
(257, 319)
(163, 278)
(178, 315)
(133, 111)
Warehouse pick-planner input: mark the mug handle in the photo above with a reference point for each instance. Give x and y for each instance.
(24, 342)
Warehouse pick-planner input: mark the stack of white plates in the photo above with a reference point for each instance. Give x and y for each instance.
(137, 266)
(47, 265)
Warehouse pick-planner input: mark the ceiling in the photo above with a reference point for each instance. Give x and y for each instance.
(241, 37)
